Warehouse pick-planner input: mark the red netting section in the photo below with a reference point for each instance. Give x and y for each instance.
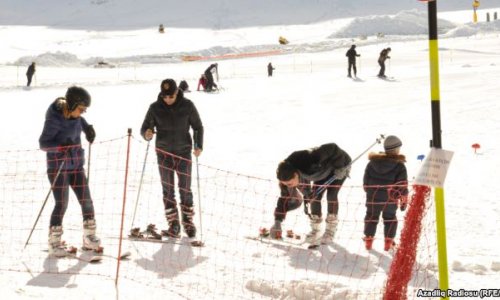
(228, 209)
(405, 258)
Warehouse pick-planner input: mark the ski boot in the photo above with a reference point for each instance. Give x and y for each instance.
(56, 246)
(174, 227)
(90, 240)
(276, 231)
(331, 227)
(368, 242)
(187, 221)
(135, 233)
(389, 244)
(313, 237)
(151, 232)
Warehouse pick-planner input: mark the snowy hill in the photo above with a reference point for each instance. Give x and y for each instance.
(214, 14)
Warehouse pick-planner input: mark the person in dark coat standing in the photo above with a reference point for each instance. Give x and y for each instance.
(171, 117)
(351, 60)
(386, 186)
(60, 138)
(384, 55)
(295, 175)
(30, 72)
(210, 85)
(270, 70)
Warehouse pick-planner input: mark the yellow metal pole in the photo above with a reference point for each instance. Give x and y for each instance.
(436, 143)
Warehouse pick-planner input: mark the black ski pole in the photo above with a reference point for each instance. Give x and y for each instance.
(333, 178)
(198, 184)
(88, 163)
(45, 201)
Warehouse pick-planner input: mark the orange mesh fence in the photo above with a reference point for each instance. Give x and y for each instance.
(234, 262)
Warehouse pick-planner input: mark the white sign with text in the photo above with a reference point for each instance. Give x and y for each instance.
(434, 169)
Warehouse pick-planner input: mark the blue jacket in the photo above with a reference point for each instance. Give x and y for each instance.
(57, 132)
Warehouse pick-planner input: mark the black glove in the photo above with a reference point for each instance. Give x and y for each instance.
(403, 203)
(90, 133)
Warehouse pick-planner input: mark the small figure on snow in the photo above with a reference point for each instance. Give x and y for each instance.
(183, 86)
(161, 29)
(171, 116)
(295, 175)
(210, 86)
(386, 185)
(30, 72)
(270, 70)
(60, 138)
(351, 60)
(384, 54)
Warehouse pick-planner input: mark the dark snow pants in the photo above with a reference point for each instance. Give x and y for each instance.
(331, 197)
(382, 68)
(77, 180)
(351, 64)
(388, 210)
(170, 165)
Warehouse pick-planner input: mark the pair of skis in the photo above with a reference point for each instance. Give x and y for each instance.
(91, 256)
(290, 239)
(151, 235)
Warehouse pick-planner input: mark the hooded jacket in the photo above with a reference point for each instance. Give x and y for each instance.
(319, 163)
(172, 124)
(59, 131)
(385, 177)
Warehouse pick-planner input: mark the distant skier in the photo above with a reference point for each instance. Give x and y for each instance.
(270, 70)
(295, 175)
(384, 54)
(60, 138)
(351, 60)
(31, 71)
(171, 117)
(213, 68)
(385, 183)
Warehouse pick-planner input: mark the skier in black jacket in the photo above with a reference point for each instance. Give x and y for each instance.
(351, 60)
(386, 186)
(30, 72)
(171, 117)
(210, 85)
(296, 173)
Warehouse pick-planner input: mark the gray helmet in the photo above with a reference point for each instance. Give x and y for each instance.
(77, 96)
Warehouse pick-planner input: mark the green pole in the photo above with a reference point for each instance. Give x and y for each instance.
(436, 143)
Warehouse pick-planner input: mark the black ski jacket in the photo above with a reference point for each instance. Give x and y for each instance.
(351, 55)
(172, 124)
(319, 163)
(385, 177)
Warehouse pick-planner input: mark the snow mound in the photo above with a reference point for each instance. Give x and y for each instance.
(409, 22)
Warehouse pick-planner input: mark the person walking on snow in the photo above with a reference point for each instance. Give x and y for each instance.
(384, 55)
(386, 185)
(213, 68)
(171, 117)
(60, 138)
(30, 72)
(270, 70)
(297, 171)
(351, 60)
